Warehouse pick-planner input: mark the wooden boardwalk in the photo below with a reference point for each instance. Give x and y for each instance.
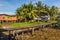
(13, 32)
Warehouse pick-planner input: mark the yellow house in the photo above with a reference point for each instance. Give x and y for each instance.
(5, 17)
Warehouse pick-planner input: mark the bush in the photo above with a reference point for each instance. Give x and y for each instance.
(32, 21)
(58, 22)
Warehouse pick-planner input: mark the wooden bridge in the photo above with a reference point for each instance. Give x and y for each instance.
(16, 33)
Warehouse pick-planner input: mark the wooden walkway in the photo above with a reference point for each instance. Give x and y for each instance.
(13, 32)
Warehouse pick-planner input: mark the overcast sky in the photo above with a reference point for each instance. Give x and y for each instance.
(10, 6)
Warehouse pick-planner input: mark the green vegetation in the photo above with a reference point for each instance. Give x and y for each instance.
(58, 19)
(0, 26)
(29, 11)
(58, 22)
(25, 24)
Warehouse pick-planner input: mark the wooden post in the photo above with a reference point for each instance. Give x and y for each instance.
(39, 28)
(32, 31)
(0, 21)
(51, 25)
(17, 36)
(9, 35)
(42, 26)
(22, 35)
(13, 33)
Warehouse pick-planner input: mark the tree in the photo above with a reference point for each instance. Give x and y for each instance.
(20, 12)
(58, 21)
(26, 12)
(39, 7)
(53, 12)
(32, 10)
(29, 11)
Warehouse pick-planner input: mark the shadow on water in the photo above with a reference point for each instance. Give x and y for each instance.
(4, 36)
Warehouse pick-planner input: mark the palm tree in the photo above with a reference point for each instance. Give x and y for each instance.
(29, 11)
(56, 13)
(39, 7)
(26, 12)
(20, 12)
(32, 10)
(53, 12)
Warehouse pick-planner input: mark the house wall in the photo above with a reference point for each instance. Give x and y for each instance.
(1, 17)
(7, 18)
(13, 18)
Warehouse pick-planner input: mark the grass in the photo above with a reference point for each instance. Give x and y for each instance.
(25, 24)
(0, 26)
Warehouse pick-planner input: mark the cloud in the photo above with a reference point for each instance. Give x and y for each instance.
(57, 4)
(9, 13)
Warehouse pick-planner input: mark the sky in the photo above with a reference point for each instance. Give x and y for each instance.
(10, 6)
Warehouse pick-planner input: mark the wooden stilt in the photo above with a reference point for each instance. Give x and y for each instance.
(17, 36)
(39, 28)
(51, 25)
(32, 31)
(22, 35)
(9, 35)
(13, 33)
